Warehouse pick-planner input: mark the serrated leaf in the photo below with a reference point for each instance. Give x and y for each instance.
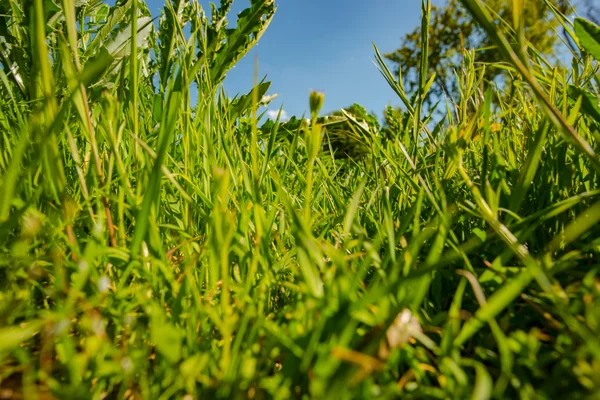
(251, 24)
(119, 47)
(116, 15)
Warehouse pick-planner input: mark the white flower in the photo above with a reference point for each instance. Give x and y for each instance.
(405, 326)
(104, 284)
(266, 99)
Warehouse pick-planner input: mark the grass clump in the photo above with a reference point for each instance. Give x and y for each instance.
(154, 249)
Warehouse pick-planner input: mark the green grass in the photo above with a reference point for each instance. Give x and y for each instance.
(151, 249)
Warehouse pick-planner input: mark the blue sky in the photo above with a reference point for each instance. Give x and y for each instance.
(323, 45)
(326, 45)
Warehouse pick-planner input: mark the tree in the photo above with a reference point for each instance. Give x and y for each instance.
(452, 30)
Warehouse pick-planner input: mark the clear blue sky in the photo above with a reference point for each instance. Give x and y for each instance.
(326, 45)
(323, 45)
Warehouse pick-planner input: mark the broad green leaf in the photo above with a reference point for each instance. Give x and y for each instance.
(588, 34)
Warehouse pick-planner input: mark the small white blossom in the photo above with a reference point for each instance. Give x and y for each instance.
(405, 326)
(83, 266)
(126, 364)
(104, 284)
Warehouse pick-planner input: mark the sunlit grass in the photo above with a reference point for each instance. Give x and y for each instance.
(154, 249)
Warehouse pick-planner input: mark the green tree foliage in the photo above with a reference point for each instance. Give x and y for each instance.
(452, 30)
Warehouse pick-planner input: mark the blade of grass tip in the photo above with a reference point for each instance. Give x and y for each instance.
(50, 153)
(270, 145)
(482, 389)
(80, 100)
(425, 186)
(487, 110)
(11, 176)
(425, 16)
(482, 16)
(566, 24)
(165, 170)
(388, 222)
(421, 288)
(581, 224)
(306, 248)
(254, 133)
(529, 170)
(452, 326)
(245, 175)
(507, 293)
(134, 66)
(396, 85)
(167, 129)
(7, 86)
(313, 138)
(506, 357)
(353, 207)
